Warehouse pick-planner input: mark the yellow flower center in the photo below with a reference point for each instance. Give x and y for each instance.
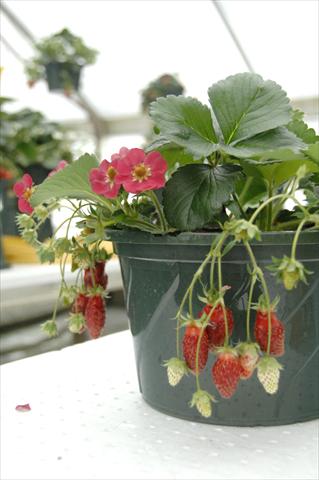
(141, 172)
(111, 174)
(27, 193)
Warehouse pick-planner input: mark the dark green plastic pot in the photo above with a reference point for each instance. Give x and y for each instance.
(156, 271)
(62, 75)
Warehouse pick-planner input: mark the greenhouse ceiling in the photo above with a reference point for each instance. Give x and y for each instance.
(140, 40)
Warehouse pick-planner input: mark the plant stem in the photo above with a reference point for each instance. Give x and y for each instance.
(159, 209)
(197, 275)
(212, 265)
(296, 238)
(275, 197)
(246, 188)
(285, 225)
(220, 286)
(250, 297)
(269, 208)
(260, 274)
(212, 254)
(235, 197)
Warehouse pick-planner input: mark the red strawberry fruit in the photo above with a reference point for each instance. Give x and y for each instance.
(80, 303)
(277, 342)
(95, 315)
(190, 342)
(216, 326)
(100, 278)
(226, 372)
(248, 358)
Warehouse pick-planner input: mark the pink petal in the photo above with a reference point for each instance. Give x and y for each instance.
(19, 188)
(24, 206)
(123, 151)
(60, 166)
(98, 187)
(27, 180)
(23, 408)
(104, 165)
(115, 163)
(112, 191)
(134, 157)
(132, 186)
(157, 181)
(121, 155)
(96, 174)
(156, 162)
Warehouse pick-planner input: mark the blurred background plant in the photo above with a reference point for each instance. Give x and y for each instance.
(59, 60)
(162, 86)
(29, 143)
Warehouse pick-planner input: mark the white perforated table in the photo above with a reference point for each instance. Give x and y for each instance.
(88, 421)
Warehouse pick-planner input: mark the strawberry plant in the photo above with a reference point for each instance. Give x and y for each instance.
(240, 168)
(64, 49)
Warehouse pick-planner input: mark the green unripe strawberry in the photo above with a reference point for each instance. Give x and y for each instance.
(202, 400)
(176, 369)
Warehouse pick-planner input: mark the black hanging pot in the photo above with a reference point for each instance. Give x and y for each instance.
(156, 271)
(63, 76)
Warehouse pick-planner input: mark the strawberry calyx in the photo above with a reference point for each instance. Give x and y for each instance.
(226, 350)
(244, 347)
(267, 361)
(77, 323)
(97, 290)
(262, 306)
(189, 322)
(289, 271)
(213, 297)
(242, 230)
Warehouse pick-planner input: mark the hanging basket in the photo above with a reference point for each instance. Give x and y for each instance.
(63, 76)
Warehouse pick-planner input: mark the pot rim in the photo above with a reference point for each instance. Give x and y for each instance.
(205, 238)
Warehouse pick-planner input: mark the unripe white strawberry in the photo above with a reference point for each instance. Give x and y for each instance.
(176, 369)
(202, 400)
(268, 373)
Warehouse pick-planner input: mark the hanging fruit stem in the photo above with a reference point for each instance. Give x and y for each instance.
(250, 297)
(261, 277)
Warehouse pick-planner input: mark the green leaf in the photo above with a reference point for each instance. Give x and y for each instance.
(301, 129)
(71, 182)
(251, 190)
(176, 156)
(266, 144)
(276, 172)
(157, 144)
(196, 192)
(186, 122)
(246, 105)
(313, 152)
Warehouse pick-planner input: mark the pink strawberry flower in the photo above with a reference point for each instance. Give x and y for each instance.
(23, 191)
(139, 171)
(23, 408)
(60, 166)
(119, 156)
(103, 179)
